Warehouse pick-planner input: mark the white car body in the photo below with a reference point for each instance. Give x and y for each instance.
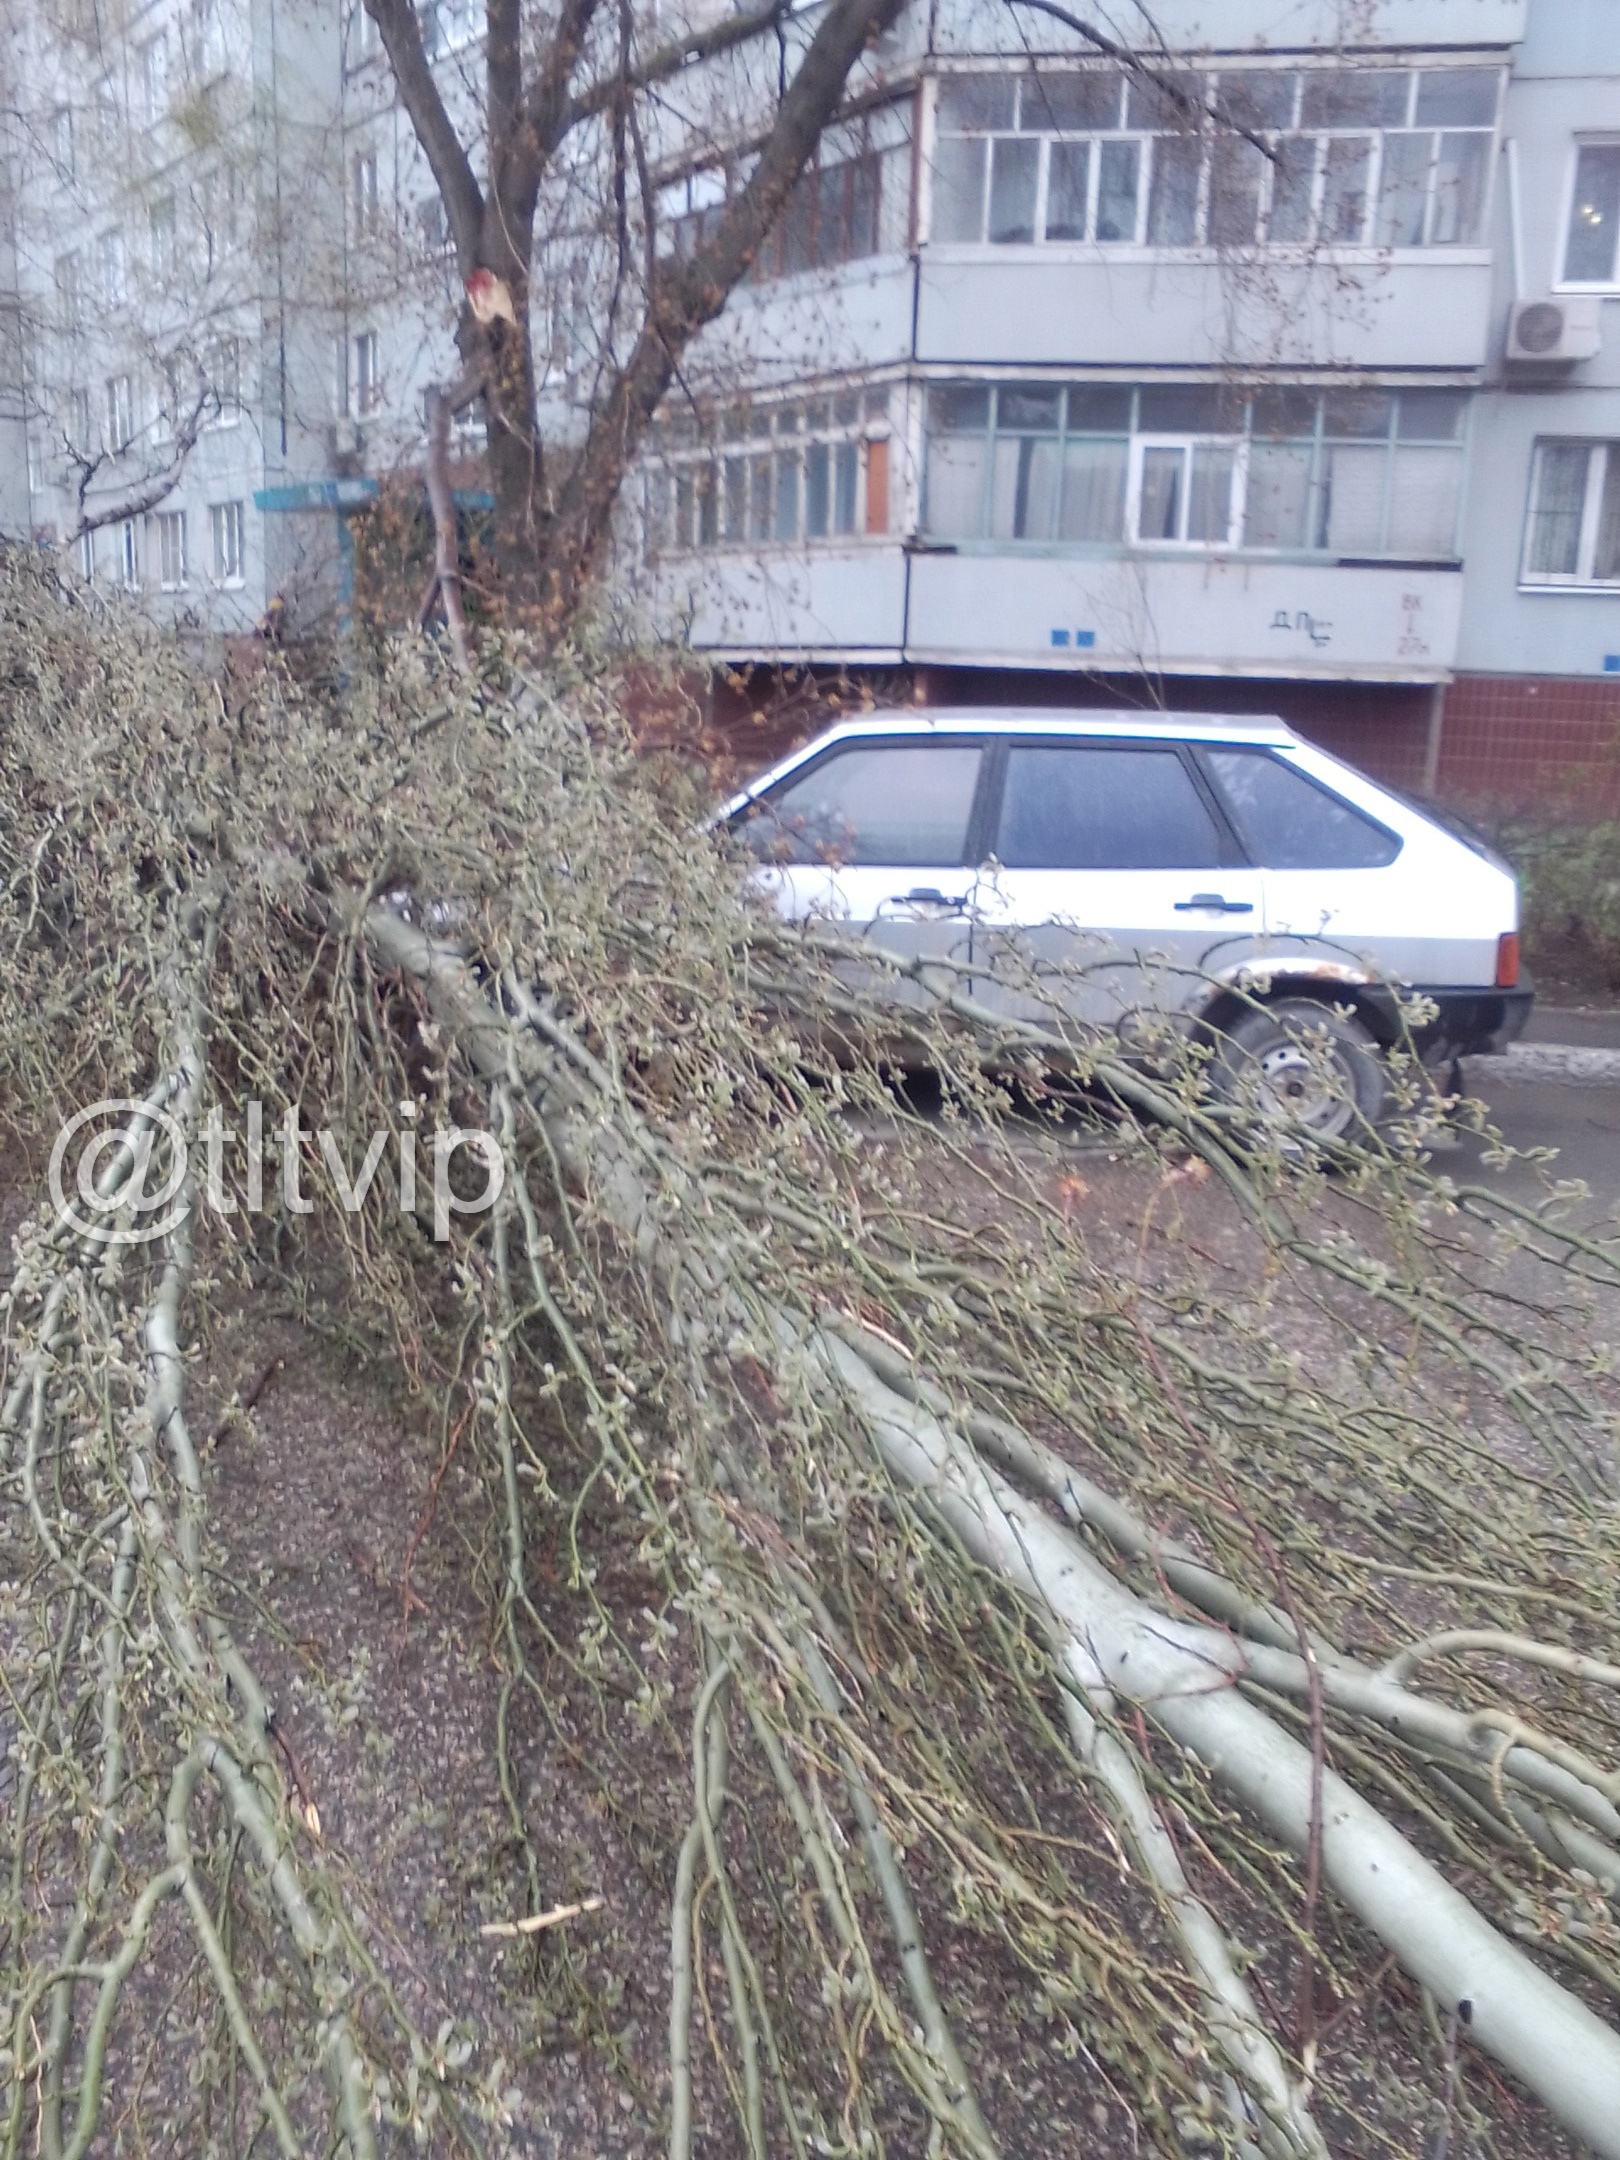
(1121, 927)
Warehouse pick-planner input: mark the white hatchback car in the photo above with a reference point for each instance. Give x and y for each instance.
(1112, 870)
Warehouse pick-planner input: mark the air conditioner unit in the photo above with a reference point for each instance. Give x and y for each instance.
(1554, 330)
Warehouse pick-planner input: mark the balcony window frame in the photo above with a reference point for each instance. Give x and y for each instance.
(1136, 129)
(807, 472)
(1240, 435)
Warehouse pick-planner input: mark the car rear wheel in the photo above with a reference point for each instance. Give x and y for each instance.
(1302, 1065)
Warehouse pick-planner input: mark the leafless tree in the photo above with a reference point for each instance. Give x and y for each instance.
(545, 79)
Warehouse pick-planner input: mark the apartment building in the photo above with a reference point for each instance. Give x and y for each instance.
(1212, 381)
(1274, 365)
(176, 261)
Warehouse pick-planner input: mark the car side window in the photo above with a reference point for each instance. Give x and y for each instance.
(1083, 806)
(1289, 822)
(905, 804)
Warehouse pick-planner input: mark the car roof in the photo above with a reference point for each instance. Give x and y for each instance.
(914, 720)
(1050, 720)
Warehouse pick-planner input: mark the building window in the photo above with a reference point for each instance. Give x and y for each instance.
(220, 199)
(363, 33)
(853, 202)
(129, 556)
(434, 227)
(171, 526)
(363, 181)
(119, 407)
(780, 474)
(70, 290)
(832, 216)
(366, 375)
(79, 428)
(110, 263)
(207, 42)
(1592, 244)
(153, 60)
(62, 141)
(223, 364)
(87, 557)
(1348, 473)
(1386, 157)
(1574, 528)
(105, 116)
(164, 232)
(225, 524)
(449, 24)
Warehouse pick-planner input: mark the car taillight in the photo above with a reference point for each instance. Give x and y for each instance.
(1507, 960)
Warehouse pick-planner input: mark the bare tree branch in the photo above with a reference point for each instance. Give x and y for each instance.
(1165, 82)
(145, 495)
(680, 53)
(401, 34)
(689, 294)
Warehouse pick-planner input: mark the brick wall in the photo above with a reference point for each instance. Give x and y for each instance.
(1516, 742)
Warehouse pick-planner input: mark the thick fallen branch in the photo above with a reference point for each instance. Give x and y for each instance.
(1112, 1643)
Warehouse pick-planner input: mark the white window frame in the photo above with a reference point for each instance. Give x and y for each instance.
(683, 474)
(207, 42)
(86, 551)
(1187, 444)
(228, 531)
(118, 405)
(129, 556)
(1599, 453)
(1571, 181)
(152, 59)
(171, 537)
(112, 267)
(223, 362)
(365, 202)
(68, 278)
(1320, 441)
(1317, 136)
(220, 201)
(365, 374)
(163, 236)
(62, 145)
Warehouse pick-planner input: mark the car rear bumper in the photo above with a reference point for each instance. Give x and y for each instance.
(1470, 1022)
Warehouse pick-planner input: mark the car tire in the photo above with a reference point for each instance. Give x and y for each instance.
(1302, 1065)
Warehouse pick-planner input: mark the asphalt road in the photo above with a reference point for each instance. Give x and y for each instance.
(1537, 1100)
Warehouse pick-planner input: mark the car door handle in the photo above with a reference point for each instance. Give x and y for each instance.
(928, 896)
(1216, 903)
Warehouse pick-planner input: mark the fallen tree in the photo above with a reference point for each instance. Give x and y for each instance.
(1012, 1599)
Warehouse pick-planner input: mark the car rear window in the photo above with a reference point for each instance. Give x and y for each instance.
(1288, 822)
(902, 803)
(1095, 807)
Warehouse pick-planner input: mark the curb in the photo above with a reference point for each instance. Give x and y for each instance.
(1576, 1065)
